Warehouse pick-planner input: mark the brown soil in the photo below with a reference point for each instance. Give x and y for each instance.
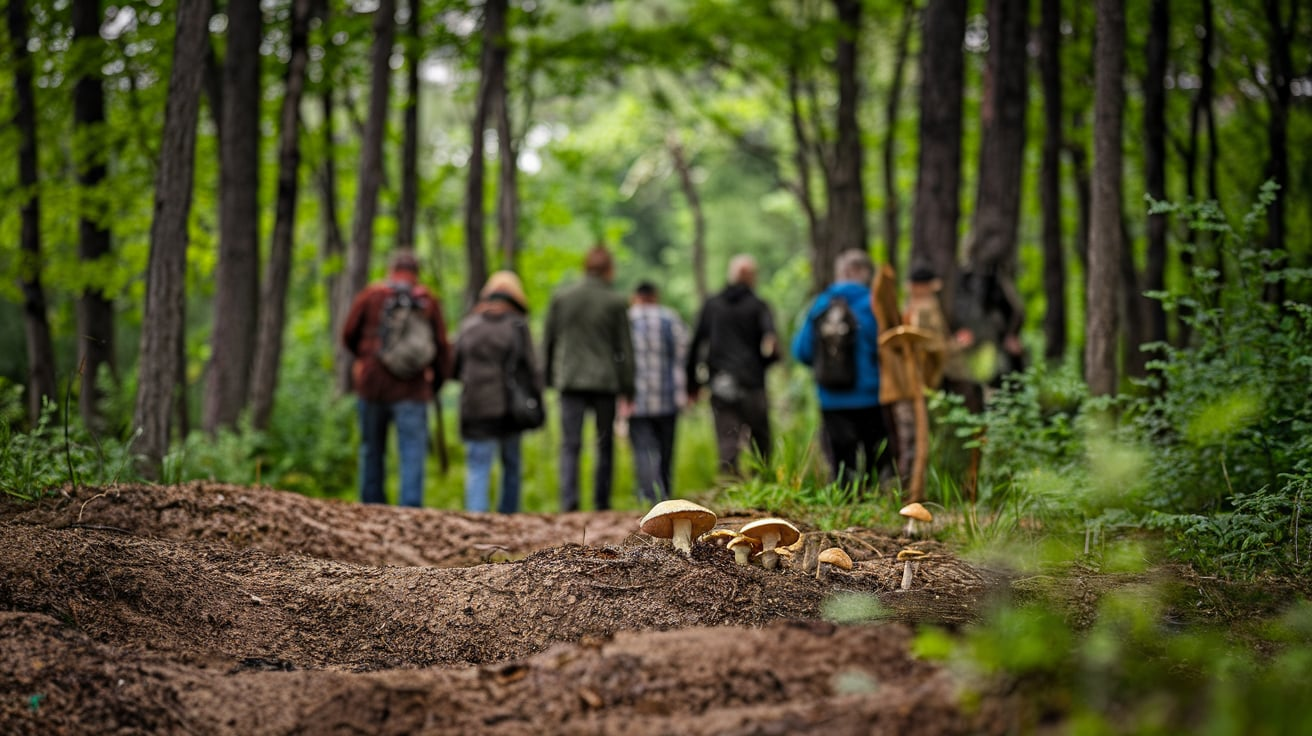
(217, 609)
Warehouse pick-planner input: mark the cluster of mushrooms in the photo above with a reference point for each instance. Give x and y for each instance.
(764, 539)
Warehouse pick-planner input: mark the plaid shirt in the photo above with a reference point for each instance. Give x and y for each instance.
(660, 344)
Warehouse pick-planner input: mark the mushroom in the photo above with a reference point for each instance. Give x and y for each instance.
(772, 533)
(743, 546)
(783, 555)
(721, 537)
(908, 556)
(679, 521)
(915, 512)
(833, 556)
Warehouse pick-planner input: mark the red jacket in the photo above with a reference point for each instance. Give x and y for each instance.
(360, 335)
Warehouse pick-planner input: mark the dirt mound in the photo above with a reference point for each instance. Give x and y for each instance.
(836, 680)
(279, 521)
(216, 609)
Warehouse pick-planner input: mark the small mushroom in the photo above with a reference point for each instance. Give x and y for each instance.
(743, 546)
(833, 556)
(782, 555)
(772, 533)
(679, 521)
(915, 512)
(908, 557)
(721, 537)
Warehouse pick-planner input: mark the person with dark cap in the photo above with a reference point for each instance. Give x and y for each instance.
(733, 344)
(588, 350)
(660, 343)
(389, 394)
(494, 339)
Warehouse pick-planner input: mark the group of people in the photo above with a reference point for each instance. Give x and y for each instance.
(616, 357)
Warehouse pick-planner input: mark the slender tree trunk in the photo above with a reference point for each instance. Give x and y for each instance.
(371, 152)
(95, 311)
(1132, 317)
(214, 88)
(847, 199)
(892, 202)
(1002, 144)
(237, 277)
(508, 161)
(1054, 253)
(1200, 110)
(682, 166)
(162, 323)
(40, 351)
(815, 227)
(333, 247)
(475, 232)
(273, 301)
(1283, 22)
(407, 216)
(1155, 165)
(938, 186)
(1105, 225)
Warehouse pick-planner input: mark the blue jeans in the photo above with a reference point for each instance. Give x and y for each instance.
(411, 419)
(478, 473)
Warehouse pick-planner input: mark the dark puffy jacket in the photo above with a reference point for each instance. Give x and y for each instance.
(731, 338)
(361, 336)
(488, 337)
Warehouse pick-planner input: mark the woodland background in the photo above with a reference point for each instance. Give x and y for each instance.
(195, 189)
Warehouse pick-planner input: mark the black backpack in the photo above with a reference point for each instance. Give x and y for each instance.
(408, 343)
(835, 346)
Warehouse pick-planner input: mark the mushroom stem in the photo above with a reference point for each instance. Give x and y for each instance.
(769, 558)
(742, 554)
(911, 528)
(683, 536)
(906, 575)
(820, 571)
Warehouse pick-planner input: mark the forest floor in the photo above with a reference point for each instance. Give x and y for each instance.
(218, 609)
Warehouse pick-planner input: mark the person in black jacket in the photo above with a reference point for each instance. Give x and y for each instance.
(732, 345)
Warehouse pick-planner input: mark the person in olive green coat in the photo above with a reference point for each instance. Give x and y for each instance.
(589, 361)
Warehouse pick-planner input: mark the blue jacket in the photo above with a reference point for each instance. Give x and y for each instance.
(866, 392)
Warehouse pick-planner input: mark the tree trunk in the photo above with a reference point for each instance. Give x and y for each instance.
(332, 247)
(40, 352)
(1054, 254)
(1201, 108)
(371, 153)
(892, 203)
(1105, 223)
(1283, 23)
(273, 301)
(508, 160)
(475, 233)
(847, 199)
(407, 214)
(1135, 328)
(237, 277)
(1002, 143)
(95, 311)
(684, 169)
(802, 160)
(162, 322)
(1154, 123)
(938, 185)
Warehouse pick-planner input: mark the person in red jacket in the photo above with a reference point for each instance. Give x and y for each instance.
(386, 398)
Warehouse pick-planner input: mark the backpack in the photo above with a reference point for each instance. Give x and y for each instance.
(408, 344)
(835, 346)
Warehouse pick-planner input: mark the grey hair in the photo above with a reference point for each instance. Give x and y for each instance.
(854, 265)
(741, 268)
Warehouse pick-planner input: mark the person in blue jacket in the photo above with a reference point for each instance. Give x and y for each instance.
(853, 422)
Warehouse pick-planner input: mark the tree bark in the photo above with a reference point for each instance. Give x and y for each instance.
(1283, 22)
(95, 311)
(162, 323)
(273, 301)
(802, 160)
(1105, 223)
(684, 169)
(475, 232)
(1054, 253)
(508, 162)
(40, 351)
(938, 185)
(847, 199)
(1199, 111)
(1002, 144)
(892, 202)
(237, 277)
(371, 153)
(1154, 123)
(407, 215)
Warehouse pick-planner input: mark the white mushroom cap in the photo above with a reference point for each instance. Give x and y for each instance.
(917, 512)
(659, 522)
(762, 528)
(742, 539)
(837, 557)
